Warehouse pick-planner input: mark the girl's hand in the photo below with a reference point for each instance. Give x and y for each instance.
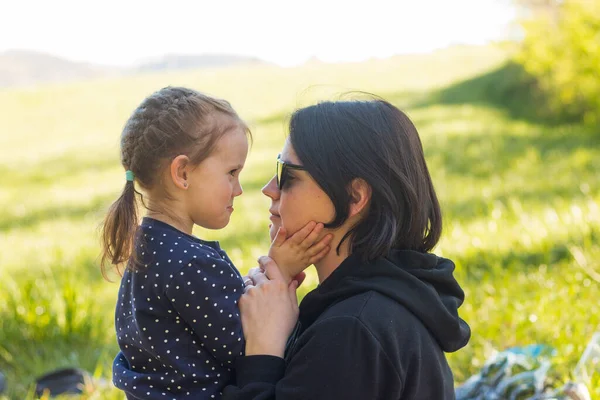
(301, 250)
(269, 310)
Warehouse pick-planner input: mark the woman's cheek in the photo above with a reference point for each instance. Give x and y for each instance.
(291, 223)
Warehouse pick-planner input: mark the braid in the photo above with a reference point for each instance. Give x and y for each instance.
(171, 121)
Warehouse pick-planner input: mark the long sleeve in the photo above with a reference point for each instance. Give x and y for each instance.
(336, 358)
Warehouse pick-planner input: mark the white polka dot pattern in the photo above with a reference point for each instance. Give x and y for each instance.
(177, 319)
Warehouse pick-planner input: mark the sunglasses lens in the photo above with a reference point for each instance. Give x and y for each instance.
(279, 174)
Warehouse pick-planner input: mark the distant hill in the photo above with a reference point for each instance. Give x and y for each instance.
(23, 67)
(180, 61)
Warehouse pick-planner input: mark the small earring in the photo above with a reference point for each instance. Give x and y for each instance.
(184, 184)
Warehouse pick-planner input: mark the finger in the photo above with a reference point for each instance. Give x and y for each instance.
(317, 248)
(248, 288)
(312, 236)
(300, 277)
(271, 268)
(292, 292)
(251, 272)
(319, 256)
(260, 278)
(280, 237)
(254, 271)
(299, 236)
(248, 281)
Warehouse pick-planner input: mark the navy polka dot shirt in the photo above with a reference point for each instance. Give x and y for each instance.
(177, 319)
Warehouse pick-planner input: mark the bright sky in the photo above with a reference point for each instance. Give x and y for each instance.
(287, 32)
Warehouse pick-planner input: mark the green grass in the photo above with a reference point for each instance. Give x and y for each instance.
(521, 204)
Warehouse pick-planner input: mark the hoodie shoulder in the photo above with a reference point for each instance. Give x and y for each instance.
(410, 284)
(407, 343)
(393, 325)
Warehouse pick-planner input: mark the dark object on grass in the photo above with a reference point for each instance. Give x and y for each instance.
(62, 381)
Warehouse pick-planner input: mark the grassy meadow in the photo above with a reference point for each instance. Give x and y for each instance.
(521, 201)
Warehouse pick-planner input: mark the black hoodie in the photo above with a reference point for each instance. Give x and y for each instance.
(375, 330)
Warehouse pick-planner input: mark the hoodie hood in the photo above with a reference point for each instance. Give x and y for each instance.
(421, 282)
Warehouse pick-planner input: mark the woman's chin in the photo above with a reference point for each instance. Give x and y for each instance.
(273, 228)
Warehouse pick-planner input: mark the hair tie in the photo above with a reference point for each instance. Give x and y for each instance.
(129, 175)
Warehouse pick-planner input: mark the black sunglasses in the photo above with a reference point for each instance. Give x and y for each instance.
(282, 170)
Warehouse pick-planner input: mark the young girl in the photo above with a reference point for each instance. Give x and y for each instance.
(177, 319)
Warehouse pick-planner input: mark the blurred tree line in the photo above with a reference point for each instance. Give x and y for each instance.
(560, 55)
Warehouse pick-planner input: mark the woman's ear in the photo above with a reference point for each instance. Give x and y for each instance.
(179, 169)
(360, 195)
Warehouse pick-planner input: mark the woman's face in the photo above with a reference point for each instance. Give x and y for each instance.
(300, 200)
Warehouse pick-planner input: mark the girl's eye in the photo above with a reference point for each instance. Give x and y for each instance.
(233, 172)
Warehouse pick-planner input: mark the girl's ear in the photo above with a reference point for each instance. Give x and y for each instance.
(179, 171)
(360, 194)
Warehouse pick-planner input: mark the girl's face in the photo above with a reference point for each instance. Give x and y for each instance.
(299, 201)
(216, 182)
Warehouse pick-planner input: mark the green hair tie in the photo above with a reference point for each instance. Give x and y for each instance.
(129, 175)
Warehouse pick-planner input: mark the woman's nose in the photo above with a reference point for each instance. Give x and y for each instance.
(271, 190)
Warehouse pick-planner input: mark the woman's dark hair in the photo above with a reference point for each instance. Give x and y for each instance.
(169, 122)
(372, 140)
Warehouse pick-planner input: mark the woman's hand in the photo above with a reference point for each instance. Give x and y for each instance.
(269, 310)
(247, 279)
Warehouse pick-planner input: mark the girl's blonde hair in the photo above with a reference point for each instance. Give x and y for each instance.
(170, 122)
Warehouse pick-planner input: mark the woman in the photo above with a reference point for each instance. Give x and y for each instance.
(386, 309)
